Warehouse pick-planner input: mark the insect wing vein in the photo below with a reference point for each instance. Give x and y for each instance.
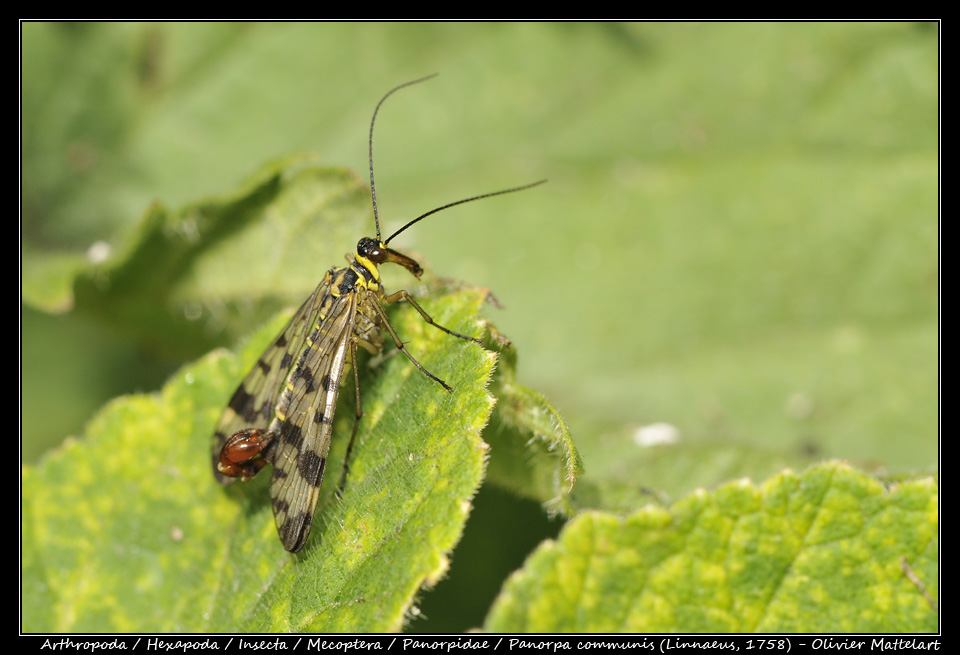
(308, 404)
(254, 401)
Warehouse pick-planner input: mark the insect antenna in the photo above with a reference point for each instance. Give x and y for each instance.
(460, 202)
(373, 188)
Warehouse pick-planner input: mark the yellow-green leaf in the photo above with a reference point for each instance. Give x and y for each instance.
(828, 550)
(127, 530)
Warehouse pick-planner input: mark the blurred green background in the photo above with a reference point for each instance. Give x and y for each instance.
(739, 237)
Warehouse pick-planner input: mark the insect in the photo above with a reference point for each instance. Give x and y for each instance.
(282, 413)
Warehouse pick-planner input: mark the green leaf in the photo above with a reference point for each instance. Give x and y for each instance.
(828, 550)
(535, 456)
(738, 213)
(186, 278)
(126, 530)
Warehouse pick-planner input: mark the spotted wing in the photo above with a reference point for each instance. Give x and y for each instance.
(306, 411)
(254, 401)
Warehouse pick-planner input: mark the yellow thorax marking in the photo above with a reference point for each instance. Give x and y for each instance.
(372, 268)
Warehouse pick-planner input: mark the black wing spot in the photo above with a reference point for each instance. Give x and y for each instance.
(242, 404)
(310, 466)
(296, 529)
(291, 434)
(306, 375)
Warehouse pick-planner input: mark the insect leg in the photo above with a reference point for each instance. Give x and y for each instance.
(356, 422)
(402, 293)
(385, 322)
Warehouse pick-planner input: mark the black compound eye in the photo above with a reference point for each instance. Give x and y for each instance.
(371, 249)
